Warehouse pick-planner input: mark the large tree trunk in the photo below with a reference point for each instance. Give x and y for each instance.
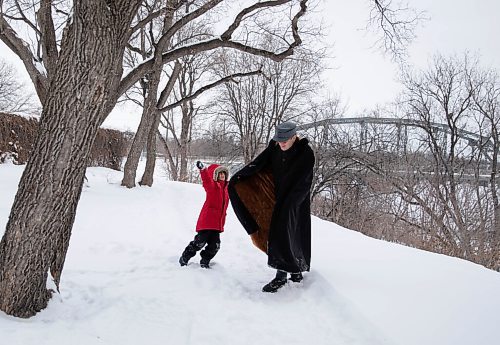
(82, 92)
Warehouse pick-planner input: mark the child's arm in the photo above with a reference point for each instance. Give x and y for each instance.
(205, 178)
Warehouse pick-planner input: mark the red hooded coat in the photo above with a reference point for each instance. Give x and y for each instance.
(213, 213)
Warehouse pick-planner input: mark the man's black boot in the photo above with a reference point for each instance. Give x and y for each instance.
(276, 283)
(296, 277)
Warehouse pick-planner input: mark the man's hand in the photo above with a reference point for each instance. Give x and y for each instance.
(199, 165)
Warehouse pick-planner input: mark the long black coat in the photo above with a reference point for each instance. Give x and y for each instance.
(271, 198)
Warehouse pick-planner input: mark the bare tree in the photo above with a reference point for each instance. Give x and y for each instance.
(78, 76)
(151, 43)
(252, 107)
(396, 26)
(13, 95)
(339, 192)
(427, 179)
(191, 71)
(436, 189)
(150, 120)
(442, 94)
(486, 103)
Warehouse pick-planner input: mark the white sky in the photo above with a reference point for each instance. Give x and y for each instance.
(365, 78)
(122, 283)
(360, 73)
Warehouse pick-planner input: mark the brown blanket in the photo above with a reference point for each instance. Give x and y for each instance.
(257, 194)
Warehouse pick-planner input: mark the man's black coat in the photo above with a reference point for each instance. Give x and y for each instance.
(271, 198)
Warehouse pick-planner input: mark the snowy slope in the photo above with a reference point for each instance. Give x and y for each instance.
(122, 283)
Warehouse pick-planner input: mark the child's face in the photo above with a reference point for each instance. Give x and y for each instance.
(221, 176)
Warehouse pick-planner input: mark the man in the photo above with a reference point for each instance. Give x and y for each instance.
(271, 198)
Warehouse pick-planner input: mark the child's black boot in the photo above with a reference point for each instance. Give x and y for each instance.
(204, 263)
(184, 259)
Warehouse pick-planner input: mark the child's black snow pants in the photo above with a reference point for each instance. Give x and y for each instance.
(210, 238)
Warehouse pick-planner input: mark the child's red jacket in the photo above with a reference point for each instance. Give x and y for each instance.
(213, 213)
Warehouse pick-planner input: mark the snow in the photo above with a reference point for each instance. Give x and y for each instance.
(122, 283)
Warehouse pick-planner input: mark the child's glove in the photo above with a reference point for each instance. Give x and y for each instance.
(199, 165)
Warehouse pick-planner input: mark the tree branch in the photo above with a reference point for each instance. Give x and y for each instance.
(229, 78)
(25, 19)
(141, 24)
(48, 36)
(239, 17)
(131, 78)
(20, 48)
(397, 25)
(170, 85)
(136, 50)
(186, 19)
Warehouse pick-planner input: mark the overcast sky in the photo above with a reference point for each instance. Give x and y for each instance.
(361, 74)
(365, 77)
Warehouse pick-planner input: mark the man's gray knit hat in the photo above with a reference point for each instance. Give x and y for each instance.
(285, 131)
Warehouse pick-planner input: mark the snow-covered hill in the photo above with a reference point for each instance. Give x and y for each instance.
(122, 283)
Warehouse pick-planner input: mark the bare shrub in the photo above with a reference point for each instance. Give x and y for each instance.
(18, 134)
(109, 148)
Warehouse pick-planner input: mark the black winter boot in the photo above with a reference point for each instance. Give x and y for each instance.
(191, 249)
(275, 284)
(183, 261)
(205, 263)
(296, 277)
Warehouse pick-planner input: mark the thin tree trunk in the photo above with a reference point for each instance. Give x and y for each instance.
(495, 240)
(147, 177)
(140, 138)
(173, 167)
(185, 138)
(146, 133)
(82, 92)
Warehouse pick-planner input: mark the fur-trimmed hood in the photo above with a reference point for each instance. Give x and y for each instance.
(215, 169)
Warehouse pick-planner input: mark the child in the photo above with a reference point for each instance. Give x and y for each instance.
(212, 216)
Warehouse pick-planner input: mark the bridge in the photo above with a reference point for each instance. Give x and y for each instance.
(473, 139)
